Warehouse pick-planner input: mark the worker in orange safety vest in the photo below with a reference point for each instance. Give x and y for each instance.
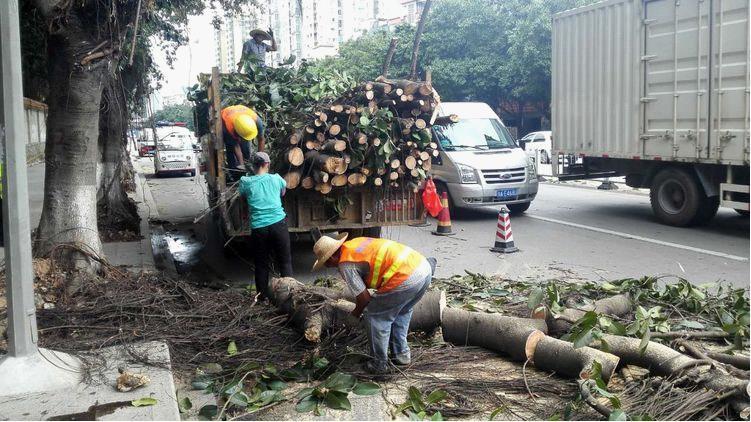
(240, 126)
(398, 276)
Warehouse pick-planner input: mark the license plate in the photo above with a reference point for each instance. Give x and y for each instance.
(505, 193)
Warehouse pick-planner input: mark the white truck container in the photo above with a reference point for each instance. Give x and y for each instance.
(657, 91)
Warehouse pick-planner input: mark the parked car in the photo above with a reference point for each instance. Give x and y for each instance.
(538, 141)
(479, 163)
(174, 152)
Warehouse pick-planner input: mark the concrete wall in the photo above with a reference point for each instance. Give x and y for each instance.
(36, 130)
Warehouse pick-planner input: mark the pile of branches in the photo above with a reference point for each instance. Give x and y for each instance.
(376, 133)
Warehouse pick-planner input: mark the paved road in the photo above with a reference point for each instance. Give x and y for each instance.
(569, 232)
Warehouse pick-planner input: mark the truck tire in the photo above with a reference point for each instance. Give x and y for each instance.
(707, 210)
(519, 208)
(677, 198)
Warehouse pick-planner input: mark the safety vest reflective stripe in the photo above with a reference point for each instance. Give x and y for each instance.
(397, 264)
(380, 256)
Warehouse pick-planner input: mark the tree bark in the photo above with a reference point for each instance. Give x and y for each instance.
(418, 36)
(115, 210)
(69, 213)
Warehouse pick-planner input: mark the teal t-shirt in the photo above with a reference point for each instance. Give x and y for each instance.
(264, 196)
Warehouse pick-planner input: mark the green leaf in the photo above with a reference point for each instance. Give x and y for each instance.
(307, 404)
(201, 383)
(144, 401)
(617, 415)
(184, 405)
(232, 348)
(277, 385)
(305, 392)
(535, 298)
(583, 338)
(436, 396)
(340, 382)
(497, 411)
(364, 121)
(267, 397)
(209, 411)
(644, 342)
(436, 417)
(337, 400)
(239, 399)
(415, 396)
(366, 388)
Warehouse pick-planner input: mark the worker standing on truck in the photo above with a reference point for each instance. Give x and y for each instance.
(399, 276)
(240, 125)
(255, 48)
(268, 222)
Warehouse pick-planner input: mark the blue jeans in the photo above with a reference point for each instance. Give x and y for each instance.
(387, 317)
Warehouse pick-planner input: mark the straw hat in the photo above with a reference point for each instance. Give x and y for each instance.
(260, 32)
(325, 247)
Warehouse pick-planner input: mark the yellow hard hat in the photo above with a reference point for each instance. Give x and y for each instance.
(245, 127)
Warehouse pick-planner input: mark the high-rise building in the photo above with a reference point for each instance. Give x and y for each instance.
(307, 29)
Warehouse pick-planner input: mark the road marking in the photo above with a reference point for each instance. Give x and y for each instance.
(641, 238)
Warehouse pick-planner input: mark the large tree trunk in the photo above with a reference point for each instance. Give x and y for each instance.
(116, 210)
(69, 214)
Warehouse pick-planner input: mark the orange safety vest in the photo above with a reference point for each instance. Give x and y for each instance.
(390, 263)
(229, 114)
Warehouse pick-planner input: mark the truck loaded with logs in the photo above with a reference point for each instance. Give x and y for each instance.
(354, 162)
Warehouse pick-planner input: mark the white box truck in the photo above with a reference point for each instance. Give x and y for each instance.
(656, 91)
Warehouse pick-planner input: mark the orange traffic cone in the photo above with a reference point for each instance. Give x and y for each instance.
(444, 218)
(504, 238)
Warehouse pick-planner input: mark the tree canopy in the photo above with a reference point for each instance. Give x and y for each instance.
(483, 50)
(176, 113)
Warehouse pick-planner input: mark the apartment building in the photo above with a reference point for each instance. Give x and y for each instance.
(307, 29)
(413, 9)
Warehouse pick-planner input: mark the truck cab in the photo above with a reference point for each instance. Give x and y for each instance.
(479, 163)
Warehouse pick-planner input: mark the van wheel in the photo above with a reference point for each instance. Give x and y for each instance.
(519, 208)
(677, 199)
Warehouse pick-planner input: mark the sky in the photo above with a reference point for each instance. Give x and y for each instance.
(198, 56)
(192, 59)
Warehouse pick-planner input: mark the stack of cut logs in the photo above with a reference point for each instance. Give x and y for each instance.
(377, 133)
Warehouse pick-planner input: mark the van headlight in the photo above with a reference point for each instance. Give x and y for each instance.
(467, 174)
(531, 168)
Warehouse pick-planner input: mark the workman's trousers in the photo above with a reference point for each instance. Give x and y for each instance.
(387, 317)
(270, 241)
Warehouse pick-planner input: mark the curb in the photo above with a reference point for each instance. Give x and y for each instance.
(146, 208)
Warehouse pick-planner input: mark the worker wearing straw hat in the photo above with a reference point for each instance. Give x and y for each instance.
(399, 277)
(255, 48)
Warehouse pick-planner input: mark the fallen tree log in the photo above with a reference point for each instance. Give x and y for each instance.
(663, 360)
(508, 335)
(559, 356)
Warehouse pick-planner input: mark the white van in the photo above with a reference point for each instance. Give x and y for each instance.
(174, 151)
(480, 164)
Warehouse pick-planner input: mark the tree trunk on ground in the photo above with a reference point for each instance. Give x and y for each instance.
(116, 210)
(69, 213)
(662, 360)
(314, 310)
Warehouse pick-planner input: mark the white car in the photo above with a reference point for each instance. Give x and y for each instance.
(174, 152)
(538, 141)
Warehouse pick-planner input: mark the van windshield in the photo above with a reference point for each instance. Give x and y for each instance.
(474, 134)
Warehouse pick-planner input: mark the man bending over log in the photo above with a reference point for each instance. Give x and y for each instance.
(399, 277)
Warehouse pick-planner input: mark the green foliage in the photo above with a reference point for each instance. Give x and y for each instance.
(333, 393)
(483, 50)
(184, 404)
(419, 406)
(176, 113)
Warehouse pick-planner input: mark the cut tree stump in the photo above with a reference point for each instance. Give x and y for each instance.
(559, 356)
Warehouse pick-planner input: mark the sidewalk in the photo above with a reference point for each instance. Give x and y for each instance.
(136, 255)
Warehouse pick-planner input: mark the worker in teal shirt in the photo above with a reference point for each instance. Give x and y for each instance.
(268, 221)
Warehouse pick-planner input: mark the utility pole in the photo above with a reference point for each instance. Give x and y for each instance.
(25, 368)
